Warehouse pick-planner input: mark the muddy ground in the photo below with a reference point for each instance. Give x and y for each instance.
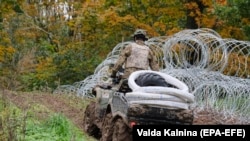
(68, 106)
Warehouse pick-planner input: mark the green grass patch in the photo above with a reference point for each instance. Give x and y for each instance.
(37, 123)
(56, 128)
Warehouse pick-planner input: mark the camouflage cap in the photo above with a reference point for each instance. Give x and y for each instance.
(140, 32)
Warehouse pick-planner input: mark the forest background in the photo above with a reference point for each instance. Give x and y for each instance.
(47, 43)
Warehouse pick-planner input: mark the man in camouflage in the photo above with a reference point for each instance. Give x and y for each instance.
(136, 56)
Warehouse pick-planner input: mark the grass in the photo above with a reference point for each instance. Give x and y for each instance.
(56, 128)
(24, 124)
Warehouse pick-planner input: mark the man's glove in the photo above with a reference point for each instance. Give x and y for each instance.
(113, 75)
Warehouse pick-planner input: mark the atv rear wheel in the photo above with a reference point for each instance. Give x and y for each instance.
(107, 128)
(121, 131)
(115, 130)
(89, 121)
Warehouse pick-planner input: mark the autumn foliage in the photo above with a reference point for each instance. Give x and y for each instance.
(49, 43)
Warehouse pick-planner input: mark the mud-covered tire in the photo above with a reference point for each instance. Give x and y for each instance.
(107, 128)
(121, 131)
(89, 121)
(186, 116)
(151, 79)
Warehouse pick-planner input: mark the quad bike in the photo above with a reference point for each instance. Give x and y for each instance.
(146, 98)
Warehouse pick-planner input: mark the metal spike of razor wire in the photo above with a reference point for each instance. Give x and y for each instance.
(216, 70)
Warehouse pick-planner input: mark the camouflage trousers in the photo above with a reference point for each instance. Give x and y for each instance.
(128, 71)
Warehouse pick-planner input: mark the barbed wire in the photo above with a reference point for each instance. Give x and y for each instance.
(216, 70)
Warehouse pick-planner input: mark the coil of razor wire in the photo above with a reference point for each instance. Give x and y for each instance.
(216, 70)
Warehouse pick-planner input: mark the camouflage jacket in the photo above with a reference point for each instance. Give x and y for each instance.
(136, 56)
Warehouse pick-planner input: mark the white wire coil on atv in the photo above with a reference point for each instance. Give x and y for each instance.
(169, 79)
(161, 94)
(152, 96)
(166, 104)
(178, 98)
(186, 96)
